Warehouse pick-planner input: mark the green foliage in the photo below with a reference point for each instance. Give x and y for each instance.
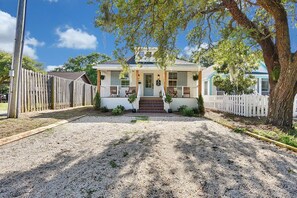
(4, 88)
(104, 109)
(241, 86)
(234, 63)
(168, 98)
(113, 164)
(97, 101)
(188, 112)
(201, 109)
(196, 111)
(117, 111)
(195, 77)
(132, 99)
(121, 107)
(85, 63)
(6, 61)
(239, 130)
(181, 108)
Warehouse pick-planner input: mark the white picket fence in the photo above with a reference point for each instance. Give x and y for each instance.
(243, 105)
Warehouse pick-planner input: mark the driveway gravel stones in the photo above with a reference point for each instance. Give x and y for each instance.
(161, 157)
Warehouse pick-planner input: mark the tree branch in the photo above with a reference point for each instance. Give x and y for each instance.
(264, 39)
(278, 12)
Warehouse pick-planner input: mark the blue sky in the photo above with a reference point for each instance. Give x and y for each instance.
(59, 29)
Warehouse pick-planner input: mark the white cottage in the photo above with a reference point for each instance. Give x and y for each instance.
(149, 82)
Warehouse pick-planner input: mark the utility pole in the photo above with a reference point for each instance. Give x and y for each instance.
(16, 67)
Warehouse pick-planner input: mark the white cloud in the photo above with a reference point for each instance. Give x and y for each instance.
(7, 37)
(188, 50)
(53, 67)
(76, 39)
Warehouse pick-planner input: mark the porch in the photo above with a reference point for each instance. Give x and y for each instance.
(149, 84)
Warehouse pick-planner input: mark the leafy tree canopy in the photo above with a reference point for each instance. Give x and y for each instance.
(265, 24)
(85, 63)
(6, 61)
(236, 60)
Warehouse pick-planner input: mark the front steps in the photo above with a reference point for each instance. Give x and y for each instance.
(151, 105)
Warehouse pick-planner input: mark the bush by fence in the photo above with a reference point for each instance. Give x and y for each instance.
(41, 92)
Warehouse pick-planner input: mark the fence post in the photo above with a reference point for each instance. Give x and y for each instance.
(72, 94)
(53, 92)
(84, 95)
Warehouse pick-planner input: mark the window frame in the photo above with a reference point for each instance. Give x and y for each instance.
(172, 80)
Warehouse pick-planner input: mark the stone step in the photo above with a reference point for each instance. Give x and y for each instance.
(151, 111)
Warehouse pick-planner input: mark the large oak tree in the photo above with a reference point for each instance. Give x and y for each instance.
(266, 22)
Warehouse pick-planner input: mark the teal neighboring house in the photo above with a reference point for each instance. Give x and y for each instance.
(261, 87)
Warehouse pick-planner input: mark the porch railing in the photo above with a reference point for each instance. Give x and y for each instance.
(179, 91)
(114, 90)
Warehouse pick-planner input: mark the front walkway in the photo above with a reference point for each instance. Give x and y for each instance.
(161, 157)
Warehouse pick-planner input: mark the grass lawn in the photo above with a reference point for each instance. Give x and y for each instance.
(32, 120)
(257, 126)
(3, 106)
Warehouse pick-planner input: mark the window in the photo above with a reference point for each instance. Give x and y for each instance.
(219, 91)
(172, 80)
(265, 86)
(125, 82)
(205, 87)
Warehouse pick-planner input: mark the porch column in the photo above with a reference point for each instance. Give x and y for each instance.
(98, 81)
(136, 80)
(165, 81)
(199, 83)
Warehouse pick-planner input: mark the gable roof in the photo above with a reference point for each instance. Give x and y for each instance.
(70, 75)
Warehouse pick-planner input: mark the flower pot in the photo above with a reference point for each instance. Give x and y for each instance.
(169, 110)
(133, 110)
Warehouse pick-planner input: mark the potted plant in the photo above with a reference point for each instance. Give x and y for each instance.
(195, 77)
(168, 99)
(131, 100)
(160, 94)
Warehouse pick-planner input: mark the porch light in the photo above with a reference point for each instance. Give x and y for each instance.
(138, 76)
(158, 76)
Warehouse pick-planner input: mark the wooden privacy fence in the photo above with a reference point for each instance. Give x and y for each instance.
(41, 92)
(243, 105)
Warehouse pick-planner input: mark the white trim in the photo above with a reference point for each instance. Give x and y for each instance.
(179, 67)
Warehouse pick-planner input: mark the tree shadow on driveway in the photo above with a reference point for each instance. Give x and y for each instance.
(101, 175)
(235, 165)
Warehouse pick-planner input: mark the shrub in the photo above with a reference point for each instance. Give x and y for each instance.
(131, 99)
(117, 111)
(97, 101)
(200, 102)
(188, 112)
(181, 108)
(168, 98)
(195, 110)
(104, 109)
(121, 107)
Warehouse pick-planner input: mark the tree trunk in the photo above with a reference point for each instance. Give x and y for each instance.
(281, 99)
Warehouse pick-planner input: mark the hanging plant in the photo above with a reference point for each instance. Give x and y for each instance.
(195, 77)
(102, 77)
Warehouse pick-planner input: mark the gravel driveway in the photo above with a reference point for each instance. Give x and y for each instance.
(162, 157)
